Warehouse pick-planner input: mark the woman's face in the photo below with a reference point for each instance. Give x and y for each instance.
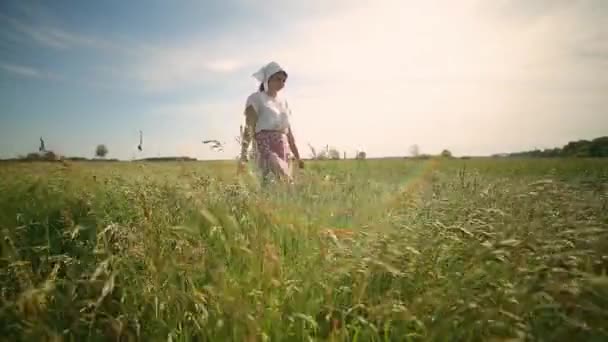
(277, 81)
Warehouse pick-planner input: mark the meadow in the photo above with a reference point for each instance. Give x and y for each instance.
(377, 250)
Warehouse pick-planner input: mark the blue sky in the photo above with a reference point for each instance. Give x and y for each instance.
(476, 77)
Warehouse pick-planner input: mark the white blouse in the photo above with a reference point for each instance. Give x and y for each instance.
(273, 112)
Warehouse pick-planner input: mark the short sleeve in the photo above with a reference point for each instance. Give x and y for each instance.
(253, 100)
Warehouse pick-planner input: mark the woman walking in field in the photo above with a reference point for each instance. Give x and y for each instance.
(267, 126)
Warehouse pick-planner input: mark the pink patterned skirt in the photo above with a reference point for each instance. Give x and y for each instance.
(273, 153)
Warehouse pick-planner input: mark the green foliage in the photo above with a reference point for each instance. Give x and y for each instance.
(43, 156)
(595, 148)
(333, 154)
(446, 154)
(101, 151)
(375, 250)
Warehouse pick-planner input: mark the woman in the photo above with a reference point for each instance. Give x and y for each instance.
(267, 125)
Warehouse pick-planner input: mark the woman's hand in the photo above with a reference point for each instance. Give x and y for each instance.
(241, 165)
(240, 169)
(247, 137)
(294, 148)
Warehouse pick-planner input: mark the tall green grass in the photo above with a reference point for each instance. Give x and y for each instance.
(435, 250)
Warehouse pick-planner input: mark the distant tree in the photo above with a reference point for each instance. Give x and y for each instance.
(599, 147)
(582, 148)
(552, 152)
(577, 148)
(101, 151)
(414, 150)
(361, 155)
(46, 155)
(33, 156)
(333, 154)
(76, 158)
(50, 155)
(446, 154)
(324, 153)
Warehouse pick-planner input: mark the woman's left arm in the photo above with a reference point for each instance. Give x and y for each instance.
(292, 144)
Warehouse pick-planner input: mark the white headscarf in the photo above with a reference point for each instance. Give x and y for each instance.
(266, 71)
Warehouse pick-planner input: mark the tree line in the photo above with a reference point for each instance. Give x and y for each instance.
(596, 148)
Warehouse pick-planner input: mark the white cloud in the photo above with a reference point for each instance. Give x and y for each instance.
(225, 65)
(388, 74)
(57, 38)
(198, 58)
(442, 73)
(30, 72)
(169, 68)
(21, 70)
(194, 109)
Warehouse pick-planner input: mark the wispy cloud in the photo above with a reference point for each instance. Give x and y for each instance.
(241, 50)
(21, 70)
(29, 71)
(36, 73)
(55, 36)
(196, 108)
(151, 67)
(48, 37)
(169, 68)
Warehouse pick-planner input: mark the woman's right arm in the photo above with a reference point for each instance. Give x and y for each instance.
(248, 133)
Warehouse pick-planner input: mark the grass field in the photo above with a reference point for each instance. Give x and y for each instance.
(377, 250)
